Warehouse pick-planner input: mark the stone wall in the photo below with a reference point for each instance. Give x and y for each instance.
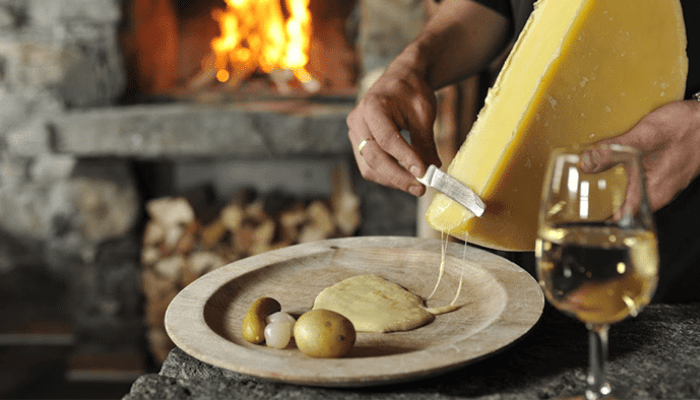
(70, 201)
(73, 216)
(387, 27)
(54, 55)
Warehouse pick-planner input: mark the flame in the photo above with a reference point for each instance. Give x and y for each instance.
(262, 34)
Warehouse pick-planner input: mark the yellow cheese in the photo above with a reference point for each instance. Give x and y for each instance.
(581, 71)
(374, 304)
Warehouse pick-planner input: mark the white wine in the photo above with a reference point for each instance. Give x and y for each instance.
(597, 273)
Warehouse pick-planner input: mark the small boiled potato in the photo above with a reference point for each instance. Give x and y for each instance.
(324, 334)
(254, 322)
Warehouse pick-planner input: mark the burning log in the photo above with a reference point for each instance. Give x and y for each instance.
(206, 75)
(179, 247)
(209, 75)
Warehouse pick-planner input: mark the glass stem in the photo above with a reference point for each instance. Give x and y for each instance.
(598, 387)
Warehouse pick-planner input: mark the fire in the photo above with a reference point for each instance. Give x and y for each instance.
(268, 35)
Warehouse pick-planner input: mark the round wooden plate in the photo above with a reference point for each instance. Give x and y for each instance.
(499, 302)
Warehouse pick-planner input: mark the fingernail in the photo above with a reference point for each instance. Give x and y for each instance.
(588, 160)
(415, 171)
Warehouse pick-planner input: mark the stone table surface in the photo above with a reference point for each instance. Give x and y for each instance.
(655, 355)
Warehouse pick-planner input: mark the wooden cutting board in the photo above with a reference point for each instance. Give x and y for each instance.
(499, 302)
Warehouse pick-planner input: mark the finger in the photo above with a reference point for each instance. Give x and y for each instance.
(391, 142)
(597, 159)
(419, 123)
(375, 164)
(601, 158)
(602, 155)
(643, 137)
(357, 130)
(378, 166)
(422, 135)
(426, 149)
(385, 123)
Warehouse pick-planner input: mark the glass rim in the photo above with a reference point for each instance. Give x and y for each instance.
(577, 149)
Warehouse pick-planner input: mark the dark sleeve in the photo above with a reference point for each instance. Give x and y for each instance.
(500, 6)
(691, 12)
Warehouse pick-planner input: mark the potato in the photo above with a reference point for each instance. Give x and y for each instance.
(253, 328)
(324, 334)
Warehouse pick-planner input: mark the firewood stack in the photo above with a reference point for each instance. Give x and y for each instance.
(181, 243)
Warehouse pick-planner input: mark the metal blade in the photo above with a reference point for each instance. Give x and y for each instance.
(454, 189)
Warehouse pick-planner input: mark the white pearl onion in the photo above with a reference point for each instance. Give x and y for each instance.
(280, 316)
(278, 334)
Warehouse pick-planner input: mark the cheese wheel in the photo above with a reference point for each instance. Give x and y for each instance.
(581, 71)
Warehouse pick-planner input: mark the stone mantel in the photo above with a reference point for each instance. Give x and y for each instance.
(289, 128)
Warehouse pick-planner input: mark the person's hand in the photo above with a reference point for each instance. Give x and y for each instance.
(400, 99)
(669, 139)
(459, 39)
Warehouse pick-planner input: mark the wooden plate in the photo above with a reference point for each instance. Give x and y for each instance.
(499, 302)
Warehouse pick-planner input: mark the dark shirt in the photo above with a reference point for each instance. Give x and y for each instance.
(678, 224)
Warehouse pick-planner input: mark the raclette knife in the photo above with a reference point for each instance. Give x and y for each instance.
(453, 189)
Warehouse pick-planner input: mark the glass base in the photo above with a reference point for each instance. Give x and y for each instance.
(603, 392)
(587, 397)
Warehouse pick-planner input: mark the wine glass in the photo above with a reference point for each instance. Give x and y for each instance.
(597, 257)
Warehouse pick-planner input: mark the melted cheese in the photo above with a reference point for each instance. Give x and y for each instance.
(445, 239)
(581, 71)
(374, 304)
(441, 270)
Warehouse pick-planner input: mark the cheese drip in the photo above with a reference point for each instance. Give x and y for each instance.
(453, 304)
(445, 238)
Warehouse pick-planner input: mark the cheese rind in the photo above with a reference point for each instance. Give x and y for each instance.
(580, 72)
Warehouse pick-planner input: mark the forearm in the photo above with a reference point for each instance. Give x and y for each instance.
(460, 39)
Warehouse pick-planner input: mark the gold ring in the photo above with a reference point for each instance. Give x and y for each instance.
(362, 145)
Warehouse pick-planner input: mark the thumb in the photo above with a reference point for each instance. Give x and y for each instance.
(599, 156)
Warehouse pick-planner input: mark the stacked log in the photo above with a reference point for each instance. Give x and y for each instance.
(181, 243)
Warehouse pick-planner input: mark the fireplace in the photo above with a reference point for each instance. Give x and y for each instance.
(240, 49)
(85, 144)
